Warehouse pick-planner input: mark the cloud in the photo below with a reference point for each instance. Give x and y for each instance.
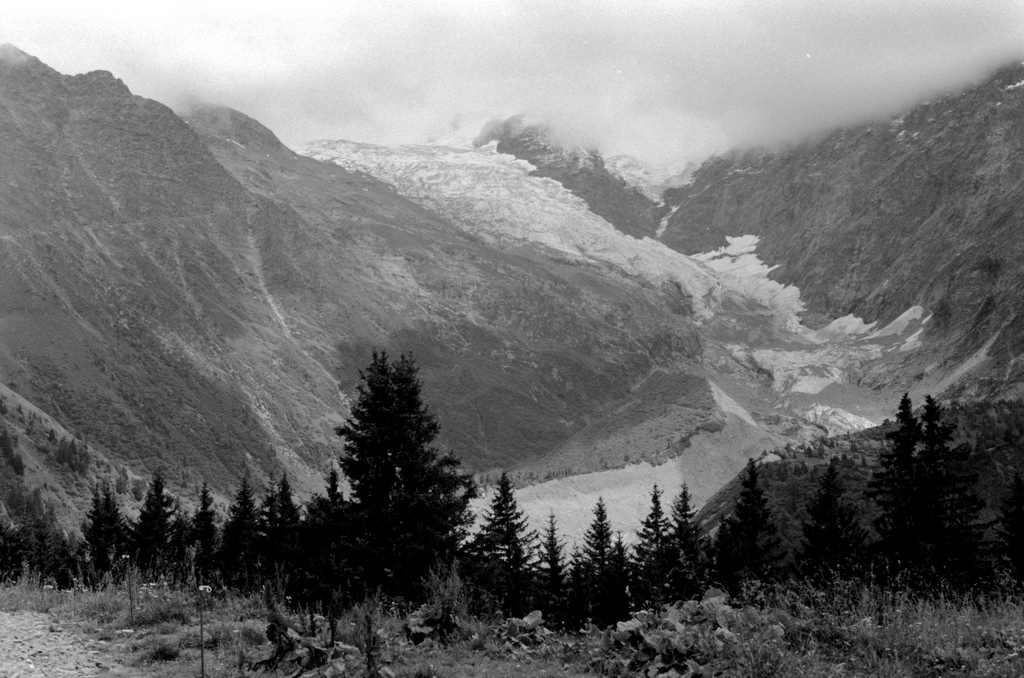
(659, 79)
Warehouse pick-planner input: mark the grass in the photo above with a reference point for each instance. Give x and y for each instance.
(849, 630)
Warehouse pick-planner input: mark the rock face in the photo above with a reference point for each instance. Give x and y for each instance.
(582, 172)
(921, 210)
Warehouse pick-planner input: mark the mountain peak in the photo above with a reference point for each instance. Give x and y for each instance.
(227, 123)
(11, 55)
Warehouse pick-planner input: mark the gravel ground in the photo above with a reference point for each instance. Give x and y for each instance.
(36, 645)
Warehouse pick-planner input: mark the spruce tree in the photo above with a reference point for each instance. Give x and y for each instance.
(834, 540)
(11, 555)
(323, 569)
(204, 536)
(597, 542)
(279, 529)
(104, 530)
(598, 552)
(552, 574)
(653, 557)
(748, 545)
(411, 503)
(152, 531)
(503, 551)
(239, 549)
(613, 603)
(894, 487)
(179, 541)
(949, 519)
(579, 593)
(1011, 526)
(689, 572)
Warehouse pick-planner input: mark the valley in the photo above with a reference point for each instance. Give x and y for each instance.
(182, 292)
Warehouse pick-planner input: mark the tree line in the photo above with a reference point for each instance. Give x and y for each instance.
(406, 513)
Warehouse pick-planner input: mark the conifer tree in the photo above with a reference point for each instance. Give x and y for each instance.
(613, 603)
(279, 527)
(503, 551)
(104, 530)
(152, 532)
(11, 555)
(1011, 526)
(324, 569)
(552, 574)
(204, 536)
(579, 609)
(949, 519)
(411, 503)
(894, 488)
(240, 543)
(653, 557)
(179, 541)
(689, 572)
(598, 553)
(748, 544)
(597, 542)
(834, 540)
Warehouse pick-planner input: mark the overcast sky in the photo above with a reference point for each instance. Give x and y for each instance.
(661, 80)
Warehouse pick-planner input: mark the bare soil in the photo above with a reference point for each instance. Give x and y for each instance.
(37, 644)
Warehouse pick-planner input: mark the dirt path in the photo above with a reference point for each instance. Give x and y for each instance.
(36, 645)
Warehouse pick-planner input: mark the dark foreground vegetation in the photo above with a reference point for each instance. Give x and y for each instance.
(396, 545)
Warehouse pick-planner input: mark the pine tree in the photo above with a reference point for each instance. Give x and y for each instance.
(653, 557)
(834, 540)
(279, 529)
(614, 603)
(179, 540)
(1011, 526)
(204, 536)
(949, 518)
(11, 555)
(748, 544)
(894, 488)
(503, 551)
(323, 570)
(105, 530)
(411, 502)
(689, 572)
(579, 594)
(240, 544)
(552, 574)
(152, 532)
(598, 552)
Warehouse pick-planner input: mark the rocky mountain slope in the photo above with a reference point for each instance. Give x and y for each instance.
(581, 171)
(185, 293)
(191, 296)
(919, 210)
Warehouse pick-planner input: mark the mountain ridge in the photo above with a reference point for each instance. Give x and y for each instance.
(190, 294)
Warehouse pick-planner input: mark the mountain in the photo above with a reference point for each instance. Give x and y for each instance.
(921, 210)
(583, 172)
(183, 292)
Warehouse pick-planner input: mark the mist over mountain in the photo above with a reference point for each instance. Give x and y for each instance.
(186, 293)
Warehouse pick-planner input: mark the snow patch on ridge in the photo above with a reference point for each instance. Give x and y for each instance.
(835, 420)
(740, 269)
(840, 329)
(900, 324)
(650, 179)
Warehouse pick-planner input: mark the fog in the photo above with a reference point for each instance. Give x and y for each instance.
(664, 81)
